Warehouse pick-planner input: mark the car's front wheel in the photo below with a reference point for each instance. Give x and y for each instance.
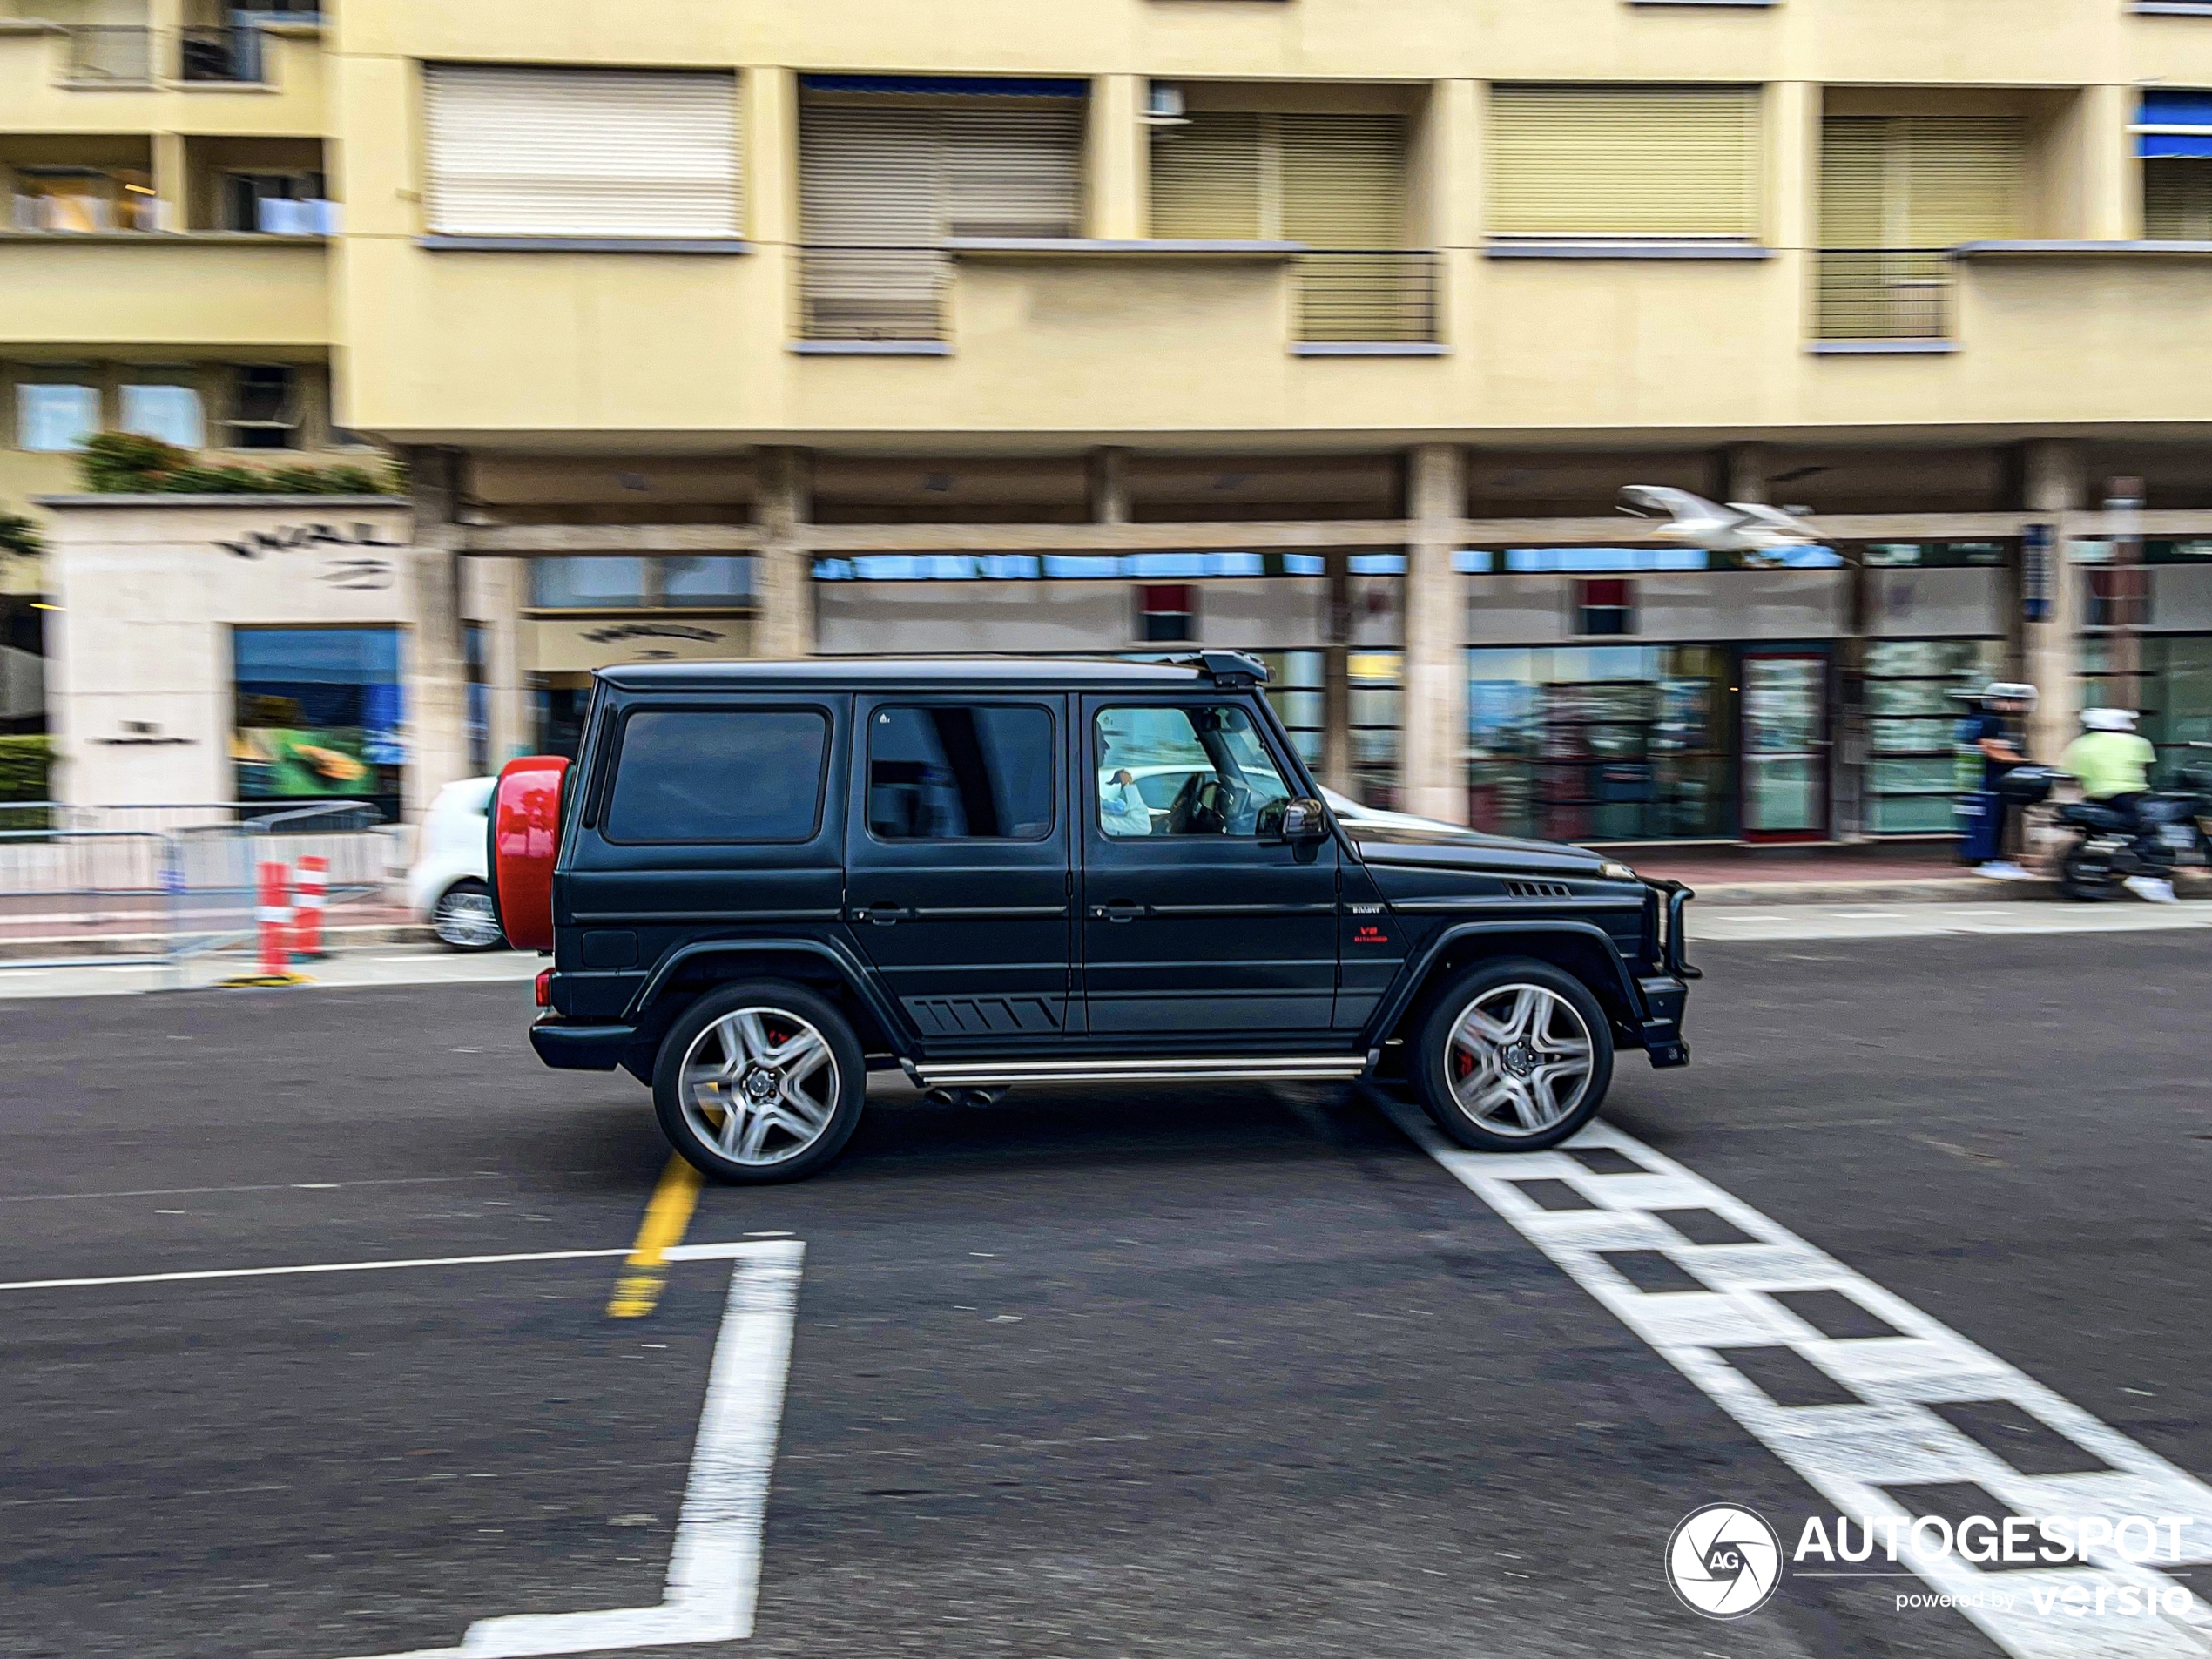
(1512, 1057)
(760, 1082)
(462, 917)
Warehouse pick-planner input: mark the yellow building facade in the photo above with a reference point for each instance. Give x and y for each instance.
(1326, 329)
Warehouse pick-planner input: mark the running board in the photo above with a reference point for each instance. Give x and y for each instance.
(1168, 1069)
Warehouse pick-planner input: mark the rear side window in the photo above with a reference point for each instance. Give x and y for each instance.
(963, 772)
(720, 775)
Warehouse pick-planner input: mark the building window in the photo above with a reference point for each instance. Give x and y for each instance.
(710, 582)
(2174, 137)
(278, 204)
(2119, 597)
(265, 408)
(1373, 696)
(169, 412)
(319, 713)
(1297, 691)
(1605, 605)
(54, 417)
(706, 580)
(1165, 614)
(586, 153)
(85, 200)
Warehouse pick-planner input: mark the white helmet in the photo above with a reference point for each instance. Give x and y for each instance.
(2108, 720)
(2009, 691)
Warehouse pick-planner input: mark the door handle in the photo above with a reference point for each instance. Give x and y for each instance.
(884, 916)
(1118, 912)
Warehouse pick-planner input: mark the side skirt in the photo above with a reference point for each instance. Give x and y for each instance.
(987, 1073)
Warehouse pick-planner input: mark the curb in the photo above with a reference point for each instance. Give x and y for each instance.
(1971, 889)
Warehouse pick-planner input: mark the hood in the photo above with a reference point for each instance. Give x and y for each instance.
(1464, 849)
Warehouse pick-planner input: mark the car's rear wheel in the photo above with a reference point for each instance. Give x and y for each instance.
(760, 1082)
(1512, 1057)
(462, 917)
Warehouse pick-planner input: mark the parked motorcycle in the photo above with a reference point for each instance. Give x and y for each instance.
(2172, 826)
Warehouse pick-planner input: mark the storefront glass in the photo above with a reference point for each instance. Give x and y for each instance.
(1600, 742)
(1374, 702)
(1917, 690)
(1295, 688)
(472, 636)
(319, 714)
(2172, 694)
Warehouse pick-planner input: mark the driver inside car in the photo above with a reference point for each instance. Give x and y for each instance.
(1122, 810)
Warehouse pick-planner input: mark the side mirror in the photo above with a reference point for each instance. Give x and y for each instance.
(1301, 819)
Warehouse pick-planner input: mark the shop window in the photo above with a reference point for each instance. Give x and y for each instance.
(1296, 688)
(641, 585)
(169, 412)
(1374, 697)
(713, 580)
(54, 417)
(558, 703)
(473, 648)
(317, 714)
(265, 408)
(1605, 605)
(1167, 613)
(1601, 742)
(1917, 690)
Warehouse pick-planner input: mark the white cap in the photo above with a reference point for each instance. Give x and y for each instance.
(2008, 691)
(2108, 720)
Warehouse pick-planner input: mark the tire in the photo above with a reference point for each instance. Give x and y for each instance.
(462, 917)
(2087, 876)
(796, 1117)
(1529, 1101)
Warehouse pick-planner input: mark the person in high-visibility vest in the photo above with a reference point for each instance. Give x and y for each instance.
(1988, 744)
(2114, 766)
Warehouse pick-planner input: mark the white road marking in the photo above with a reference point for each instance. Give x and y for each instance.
(714, 1567)
(1851, 1452)
(314, 1267)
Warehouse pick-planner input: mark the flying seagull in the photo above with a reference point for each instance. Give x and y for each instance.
(1749, 527)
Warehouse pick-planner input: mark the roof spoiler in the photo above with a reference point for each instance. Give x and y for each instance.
(1235, 670)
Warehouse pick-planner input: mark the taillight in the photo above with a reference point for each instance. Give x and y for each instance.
(545, 988)
(525, 831)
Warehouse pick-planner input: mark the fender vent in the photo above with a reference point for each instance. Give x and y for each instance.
(1539, 890)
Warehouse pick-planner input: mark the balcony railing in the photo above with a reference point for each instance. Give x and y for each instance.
(121, 53)
(872, 293)
(1885, 295)
(1367, 298)
(219, 52)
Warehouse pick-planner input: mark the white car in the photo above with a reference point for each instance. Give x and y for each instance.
(1352, 813)
(447, 887)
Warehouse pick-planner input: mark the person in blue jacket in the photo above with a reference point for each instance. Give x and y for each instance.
(1988, 744)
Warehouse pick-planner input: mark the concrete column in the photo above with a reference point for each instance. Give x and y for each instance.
(1109, 481)
(1745, 472)
(172, 182)
(437, 667)
(1119, 158)
(770, 111)
(2112, 197)
(1336, 674)
(785, 624)
(499, 590)
(1433, 745)
(2055, 486)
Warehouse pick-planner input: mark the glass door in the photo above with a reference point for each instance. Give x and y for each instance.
(1786, 745)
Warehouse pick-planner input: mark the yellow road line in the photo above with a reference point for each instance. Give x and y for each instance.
(637, 1292)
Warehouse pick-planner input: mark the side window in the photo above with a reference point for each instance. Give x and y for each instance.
(939, 773)
(720, 775)
(1182, 772)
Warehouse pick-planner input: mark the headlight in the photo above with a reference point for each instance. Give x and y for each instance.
(1610, 871)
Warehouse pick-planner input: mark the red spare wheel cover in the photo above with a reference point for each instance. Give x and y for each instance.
(525, 835)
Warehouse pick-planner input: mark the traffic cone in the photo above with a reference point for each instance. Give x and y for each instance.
(315, 884)
(272, 916)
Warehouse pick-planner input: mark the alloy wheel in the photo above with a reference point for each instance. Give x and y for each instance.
(463, 918)
(1519, 1059)
(758, 1086)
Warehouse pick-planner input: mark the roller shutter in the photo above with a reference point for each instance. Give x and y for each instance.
(2177, 200)
(1343, 179)
(1918, 181)
(1624, 160)
(581, 153)
(1206, 179)
(884, 180)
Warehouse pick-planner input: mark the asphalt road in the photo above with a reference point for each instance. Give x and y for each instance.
(1225, 1372)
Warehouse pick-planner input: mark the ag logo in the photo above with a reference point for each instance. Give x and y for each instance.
(1724, 1561)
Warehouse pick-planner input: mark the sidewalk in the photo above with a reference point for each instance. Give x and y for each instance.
(34, 929)
(1876, 873)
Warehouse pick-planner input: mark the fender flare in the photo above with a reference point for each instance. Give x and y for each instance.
(1416, 975)
(849, 968)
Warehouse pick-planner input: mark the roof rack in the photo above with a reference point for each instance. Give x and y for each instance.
(1235, 670)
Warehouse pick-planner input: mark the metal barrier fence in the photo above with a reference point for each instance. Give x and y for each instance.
(872, 293)
(1884, 294)
(252, 817)
(1378, 298)
(72, 893)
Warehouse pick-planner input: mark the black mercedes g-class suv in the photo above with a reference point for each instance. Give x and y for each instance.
(761, 879)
